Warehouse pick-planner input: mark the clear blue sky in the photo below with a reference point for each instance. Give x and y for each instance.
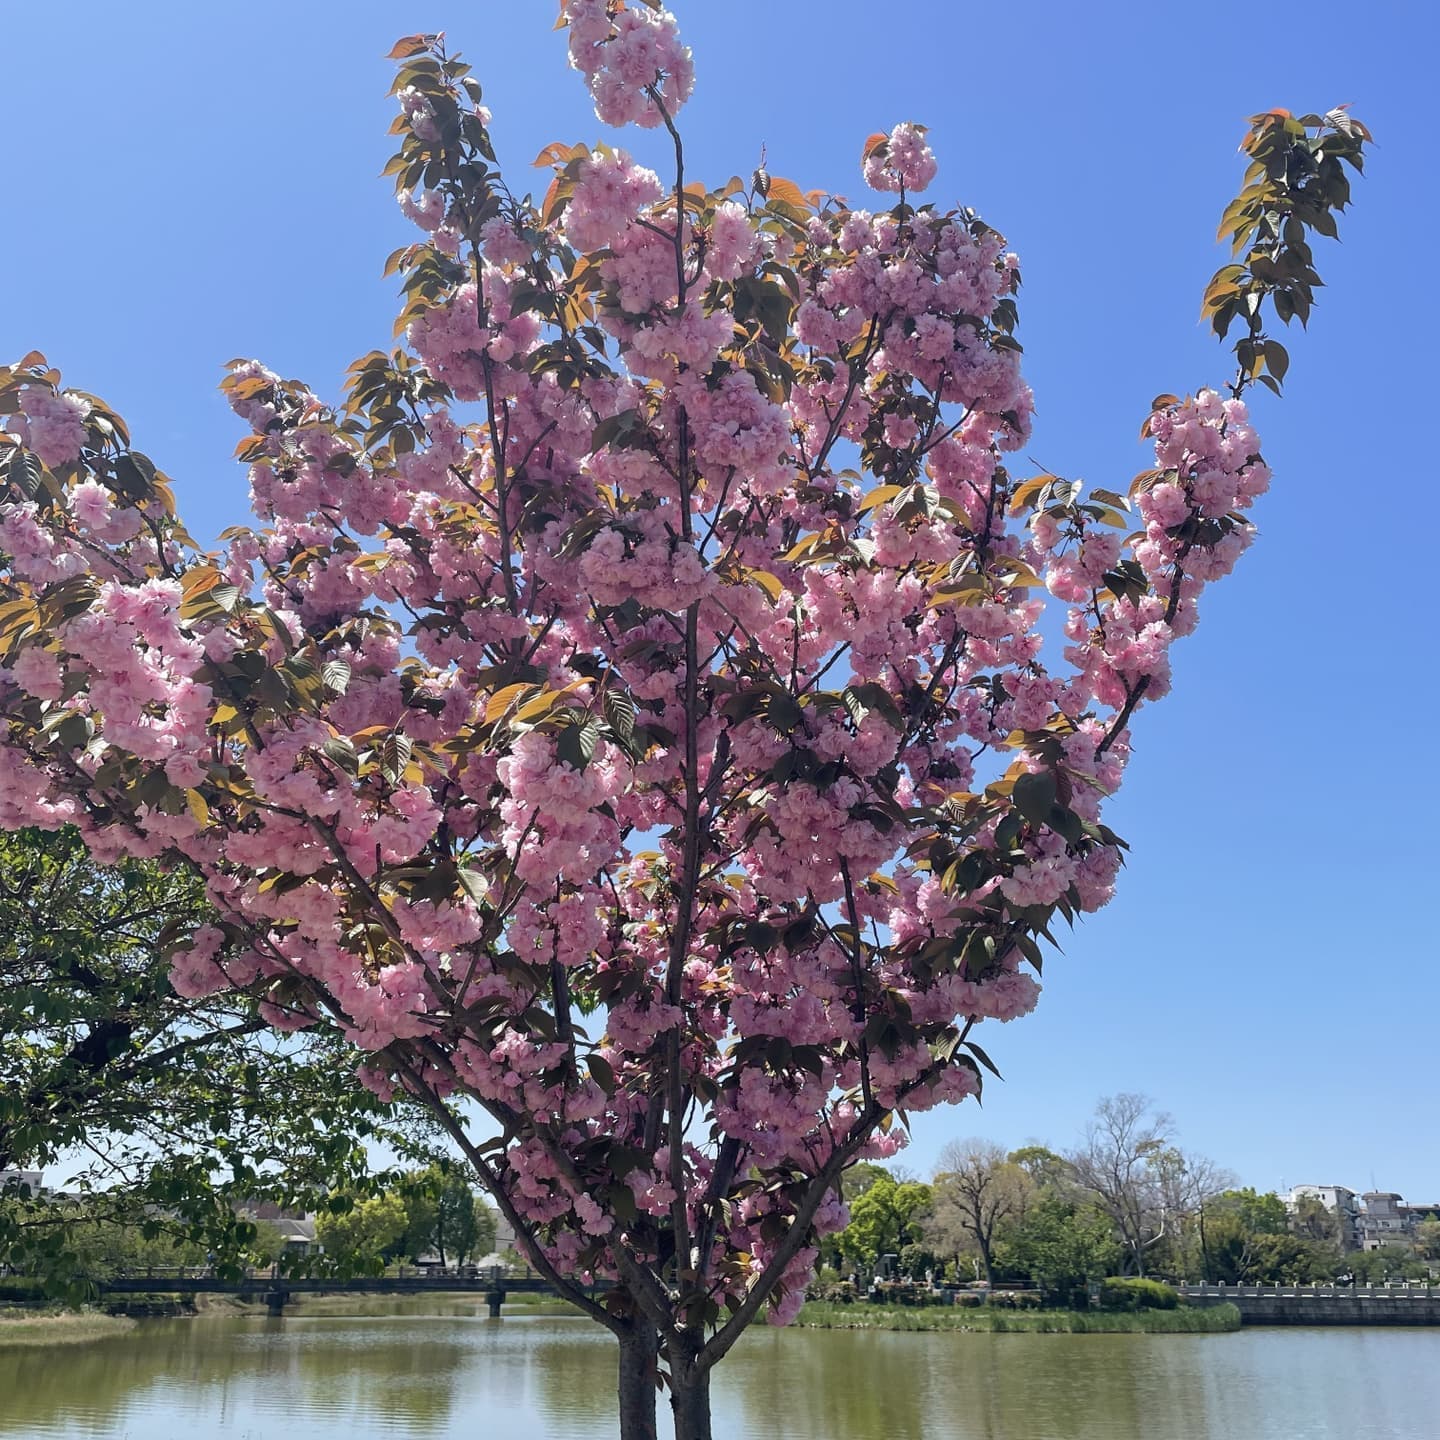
(187, 183)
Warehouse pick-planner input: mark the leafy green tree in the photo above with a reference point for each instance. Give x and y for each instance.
(418, 1193)
(361, 1236)
(486, 1228)
(1427, 1239)
(1060, 1246)
(457, 1228)
(176, 1107)
(1221, 1240)
(855, 1181)
(884, 1219)
(1260, 1214)
(1227, 1249)
(1390, 1262)
(1312, 1220)
(444, 1215)
(917, 1260)
(1046, 1169)
(1293, 1260)
(103, 1245)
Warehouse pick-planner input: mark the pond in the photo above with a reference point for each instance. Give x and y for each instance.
(460, 1374)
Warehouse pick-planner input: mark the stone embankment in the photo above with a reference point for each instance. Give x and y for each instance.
(1323, 1304)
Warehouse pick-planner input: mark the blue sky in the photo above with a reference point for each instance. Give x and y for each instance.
(187, 183)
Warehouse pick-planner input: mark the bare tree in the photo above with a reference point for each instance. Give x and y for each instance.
(1132, 1167)
(976, 1188)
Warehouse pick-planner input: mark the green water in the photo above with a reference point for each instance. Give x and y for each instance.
(434, 1377)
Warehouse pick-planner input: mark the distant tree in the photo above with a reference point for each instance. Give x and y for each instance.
(917, 1260)
(1311, 1219)
(1292, 1260)
(1225, 1249)
(362, 1237)
(268, 1245)
(101, 1243)
(885, 1218)
(1261, 1214)
(443, 1216)
(976, 1189)
(457, 1230)
(1046, 1169)
(1390, 1262)
(859, 1178)
(1136, 1174)
(1060, 1246)
(486, 1228)
(1427, 1239)
(419, 1193)
(1220, 1239)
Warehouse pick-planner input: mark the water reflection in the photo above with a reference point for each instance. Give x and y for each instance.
(460, 1374)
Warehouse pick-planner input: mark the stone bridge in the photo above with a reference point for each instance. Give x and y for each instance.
(1323, 1304)
(276, 1290)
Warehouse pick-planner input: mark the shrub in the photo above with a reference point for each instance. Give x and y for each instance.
(1130, 1292)
(832, 1292)
(1016, 1299)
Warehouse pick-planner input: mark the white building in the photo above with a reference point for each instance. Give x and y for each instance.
(30, 1180)
(1340, 1201)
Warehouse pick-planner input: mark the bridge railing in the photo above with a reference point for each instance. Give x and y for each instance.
(494, 1273)
(1398, 1289)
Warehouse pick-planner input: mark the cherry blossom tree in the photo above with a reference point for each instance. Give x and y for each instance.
(629, 718)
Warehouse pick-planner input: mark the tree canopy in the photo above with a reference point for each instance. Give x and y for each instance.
(629, 718)
(157, 1104)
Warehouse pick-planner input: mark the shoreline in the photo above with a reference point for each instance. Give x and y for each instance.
(67, 1327)
(984, 1320)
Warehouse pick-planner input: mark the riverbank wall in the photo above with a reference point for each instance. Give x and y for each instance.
(1322, 1305)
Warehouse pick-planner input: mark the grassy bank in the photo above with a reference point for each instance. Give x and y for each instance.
(57, 1327)
(820, 1315)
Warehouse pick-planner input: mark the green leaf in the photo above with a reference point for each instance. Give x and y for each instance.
(601, 1072)
(618, 431)
(473, 883)
(983, 1058)
(135, 475)
(25, 472)
(871, 695)
(394, 757)
(1034, 794)
(342, 752)
(1277, 359)
(620, 714)
(576, 746)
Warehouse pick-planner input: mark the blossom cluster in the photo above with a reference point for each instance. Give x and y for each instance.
(902, 161)
(632, 59)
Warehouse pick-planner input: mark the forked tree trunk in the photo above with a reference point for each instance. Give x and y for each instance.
(690, 1402)
(639, 1356)
(690, 1393)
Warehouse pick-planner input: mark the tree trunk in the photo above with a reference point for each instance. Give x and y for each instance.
(690, 1402)
(639, 1354)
